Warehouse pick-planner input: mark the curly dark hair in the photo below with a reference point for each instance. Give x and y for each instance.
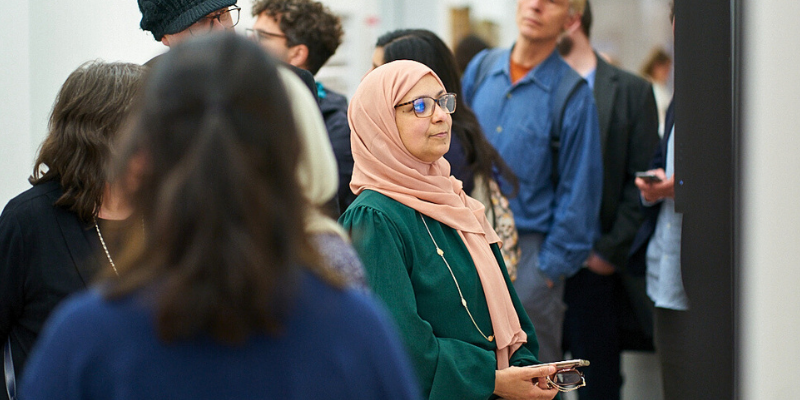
(305, 22)
(88, 113)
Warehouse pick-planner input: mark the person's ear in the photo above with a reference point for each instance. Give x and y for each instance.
(165, 40)
(573, 23)
(298, 55)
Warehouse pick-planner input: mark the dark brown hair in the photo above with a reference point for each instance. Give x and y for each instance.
(658, 56)
(466, 49)
(305, 22)
(87, 114)
(586, 20)
(425, 47)
(210, 163)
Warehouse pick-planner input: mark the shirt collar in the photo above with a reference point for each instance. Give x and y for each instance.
(543, 75)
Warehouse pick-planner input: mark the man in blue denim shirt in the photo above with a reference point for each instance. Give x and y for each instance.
(557, 223)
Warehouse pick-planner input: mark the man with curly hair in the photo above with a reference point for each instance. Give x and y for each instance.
(305, 33)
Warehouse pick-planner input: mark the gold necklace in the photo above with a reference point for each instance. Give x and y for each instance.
(440, 252)
(103, 242)
(105, 248)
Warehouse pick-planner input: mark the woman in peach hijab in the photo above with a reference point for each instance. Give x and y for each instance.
(429, 252)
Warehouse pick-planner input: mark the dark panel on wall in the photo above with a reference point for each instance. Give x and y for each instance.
(705, 160)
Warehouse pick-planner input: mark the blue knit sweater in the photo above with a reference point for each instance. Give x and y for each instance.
(336, 345)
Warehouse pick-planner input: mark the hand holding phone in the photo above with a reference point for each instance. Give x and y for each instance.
(648, 176)
(570, 364)
(567, 378)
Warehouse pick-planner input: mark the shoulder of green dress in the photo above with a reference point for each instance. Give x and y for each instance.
(393, 209)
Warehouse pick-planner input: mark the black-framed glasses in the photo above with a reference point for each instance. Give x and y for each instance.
(423, 106)
(228, 18)
(567, 380)
(260, 36)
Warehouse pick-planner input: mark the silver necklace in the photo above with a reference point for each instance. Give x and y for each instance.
(105, 248)
(440, 252)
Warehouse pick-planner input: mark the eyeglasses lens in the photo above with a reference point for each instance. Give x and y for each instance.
(567, 380)
(423, 107)
(228, 19)
(448, 103)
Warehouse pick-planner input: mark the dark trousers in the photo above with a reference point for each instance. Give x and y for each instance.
(592, 331)
(672, 347)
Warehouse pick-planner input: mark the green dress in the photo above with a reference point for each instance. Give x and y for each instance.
(452, 359)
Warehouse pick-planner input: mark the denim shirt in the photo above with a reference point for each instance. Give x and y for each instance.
(517, 120)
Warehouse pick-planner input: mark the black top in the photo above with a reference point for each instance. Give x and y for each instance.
(46, 253)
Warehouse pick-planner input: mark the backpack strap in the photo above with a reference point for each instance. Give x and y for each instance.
(486, 60)
(568, 85)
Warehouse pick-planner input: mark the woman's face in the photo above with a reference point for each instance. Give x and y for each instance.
(426, 138)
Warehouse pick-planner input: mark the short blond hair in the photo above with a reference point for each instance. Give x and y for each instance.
(577, 6)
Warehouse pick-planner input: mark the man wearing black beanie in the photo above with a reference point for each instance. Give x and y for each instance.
(172, 21)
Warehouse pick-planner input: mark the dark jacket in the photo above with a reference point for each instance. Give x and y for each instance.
(637, 263)
(46, 253)
(626, 109)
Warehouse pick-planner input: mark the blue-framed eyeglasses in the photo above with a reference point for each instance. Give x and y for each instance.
(423, 106)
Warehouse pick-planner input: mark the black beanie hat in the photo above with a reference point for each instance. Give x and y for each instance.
(165, 17)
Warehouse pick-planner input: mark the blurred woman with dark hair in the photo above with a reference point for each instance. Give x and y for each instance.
(50, 234)
(466, 49)
(224, 296)
(473, 160)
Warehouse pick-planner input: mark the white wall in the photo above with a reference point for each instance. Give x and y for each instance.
(771, 216)
(363, 22)
(15, 99)
(45, 42)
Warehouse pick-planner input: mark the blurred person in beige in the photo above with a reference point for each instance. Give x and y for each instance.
(657, 68)
(316, 173)
(428, 249)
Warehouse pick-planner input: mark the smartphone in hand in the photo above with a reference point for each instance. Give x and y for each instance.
(569, 364)
(648, 177)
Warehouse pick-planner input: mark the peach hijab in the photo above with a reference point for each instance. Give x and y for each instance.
(383, 164)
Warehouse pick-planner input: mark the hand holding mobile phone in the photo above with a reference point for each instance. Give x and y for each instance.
(569, 364)
(648, 177)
